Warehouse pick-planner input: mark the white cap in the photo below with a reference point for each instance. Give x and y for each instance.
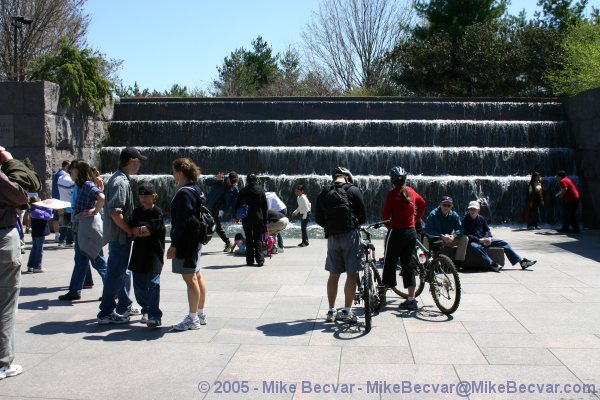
(474, 204)
(2, 148)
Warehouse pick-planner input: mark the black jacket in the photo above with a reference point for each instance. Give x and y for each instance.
(254, 196)
(359, 210)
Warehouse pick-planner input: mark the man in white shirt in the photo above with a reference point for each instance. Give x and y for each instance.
(65, 189)
(274, 203)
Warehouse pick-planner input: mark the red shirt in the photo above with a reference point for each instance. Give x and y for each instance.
(401, 213)
(571, 194)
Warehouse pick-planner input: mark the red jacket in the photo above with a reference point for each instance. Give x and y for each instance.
(571, 195)
(402, 214)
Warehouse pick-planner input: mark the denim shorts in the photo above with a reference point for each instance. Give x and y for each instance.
(178, 265)
(344, 253)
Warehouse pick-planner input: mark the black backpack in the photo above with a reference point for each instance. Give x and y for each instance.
(338, 209)
(205, 222)
(206, 227)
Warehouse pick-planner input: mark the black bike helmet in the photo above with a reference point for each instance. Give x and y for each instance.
(342, 171)
(398, 172)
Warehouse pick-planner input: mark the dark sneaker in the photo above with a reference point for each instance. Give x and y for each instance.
(69, 297)
(330, 316)
(347, 317)
(153, 323)
(113, 318)
(228, 247)
(301, 245)
(495, 267)
(409, 305)
(525, 263)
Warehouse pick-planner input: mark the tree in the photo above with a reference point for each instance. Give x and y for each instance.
(453, 17)
(348, 39)
(79, 74)
(51, 21)
(560, 14)
(580, 60)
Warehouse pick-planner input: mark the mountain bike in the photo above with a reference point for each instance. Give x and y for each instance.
(439, 270)
(370, 289)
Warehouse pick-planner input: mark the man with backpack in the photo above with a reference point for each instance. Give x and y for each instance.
(340, 209)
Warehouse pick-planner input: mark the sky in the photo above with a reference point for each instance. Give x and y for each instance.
(183, 41)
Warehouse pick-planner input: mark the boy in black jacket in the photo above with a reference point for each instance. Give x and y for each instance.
(147, 256)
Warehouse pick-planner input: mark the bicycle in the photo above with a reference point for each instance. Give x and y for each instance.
(439, 270)
(370, 289)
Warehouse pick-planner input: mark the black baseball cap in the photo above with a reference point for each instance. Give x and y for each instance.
(129, 153)
(146, 188)
(447, 199)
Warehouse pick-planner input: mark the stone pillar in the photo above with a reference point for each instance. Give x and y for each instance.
(583, 113)
(33, 124)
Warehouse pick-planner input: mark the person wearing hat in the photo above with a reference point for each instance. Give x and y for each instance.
(12, 197)
(221, 200)
(480, 238)
(147, 255)
(339, 219)
(118, 210)
(443, 222)
(402, 207)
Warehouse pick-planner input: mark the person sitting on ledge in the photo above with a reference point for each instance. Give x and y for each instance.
(444, 223)
(480, 238)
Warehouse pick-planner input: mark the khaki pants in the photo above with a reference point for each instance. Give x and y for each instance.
(10, 281)
(461, 244)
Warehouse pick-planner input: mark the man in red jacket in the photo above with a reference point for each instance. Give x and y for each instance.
(570, 197)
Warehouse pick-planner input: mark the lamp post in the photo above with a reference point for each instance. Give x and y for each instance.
(18, 22)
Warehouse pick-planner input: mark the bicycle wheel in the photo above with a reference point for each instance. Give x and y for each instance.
(444, 284)
(368, 292)
(419, 272)
(379, 297)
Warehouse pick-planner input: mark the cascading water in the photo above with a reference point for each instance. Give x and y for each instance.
(469, 150)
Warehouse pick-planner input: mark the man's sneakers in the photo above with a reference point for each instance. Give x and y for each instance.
(132, 310)
(144, 318)
(10, 370)
(153, 323)
(525, 263)
(32, 270)
(330, 316)
(495, 267)
(113, 318)
(228, 247)
(187, 323)
(347, 316)
(409, 305)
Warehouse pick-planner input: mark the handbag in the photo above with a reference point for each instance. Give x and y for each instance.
(242, 211)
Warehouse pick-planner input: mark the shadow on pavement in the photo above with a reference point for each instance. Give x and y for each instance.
(34, 291)
(45, 304)
(290, 328)
(127, 332)
(69, 328)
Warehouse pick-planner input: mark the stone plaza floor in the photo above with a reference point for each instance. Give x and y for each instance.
(539, 328)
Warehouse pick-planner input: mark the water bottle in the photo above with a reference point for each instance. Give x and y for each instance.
(421, 255)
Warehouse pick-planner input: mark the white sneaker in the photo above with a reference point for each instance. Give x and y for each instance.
(132, 310)
(187, 323)
(144, 318)
(202, 318)
(11, 370)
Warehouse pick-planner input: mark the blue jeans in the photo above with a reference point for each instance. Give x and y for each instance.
(146, 287)
(81, 268)
(36, 253)
(117, 281)
(65, 233)
(279, 237)
(303, 224)
(481, 253)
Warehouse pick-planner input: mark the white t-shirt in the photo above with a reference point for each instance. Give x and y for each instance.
(274, 202)
(65, 187)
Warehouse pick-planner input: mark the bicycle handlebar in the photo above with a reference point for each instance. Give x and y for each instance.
(376, 225)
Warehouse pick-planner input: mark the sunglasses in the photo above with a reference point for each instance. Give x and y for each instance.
(446, 205)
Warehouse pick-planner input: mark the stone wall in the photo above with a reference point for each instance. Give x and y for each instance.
(34, 125)
(583, 113)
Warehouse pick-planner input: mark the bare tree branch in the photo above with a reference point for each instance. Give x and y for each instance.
(348, 39)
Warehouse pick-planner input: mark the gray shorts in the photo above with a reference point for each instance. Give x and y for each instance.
(344, 253)
(178, 268)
